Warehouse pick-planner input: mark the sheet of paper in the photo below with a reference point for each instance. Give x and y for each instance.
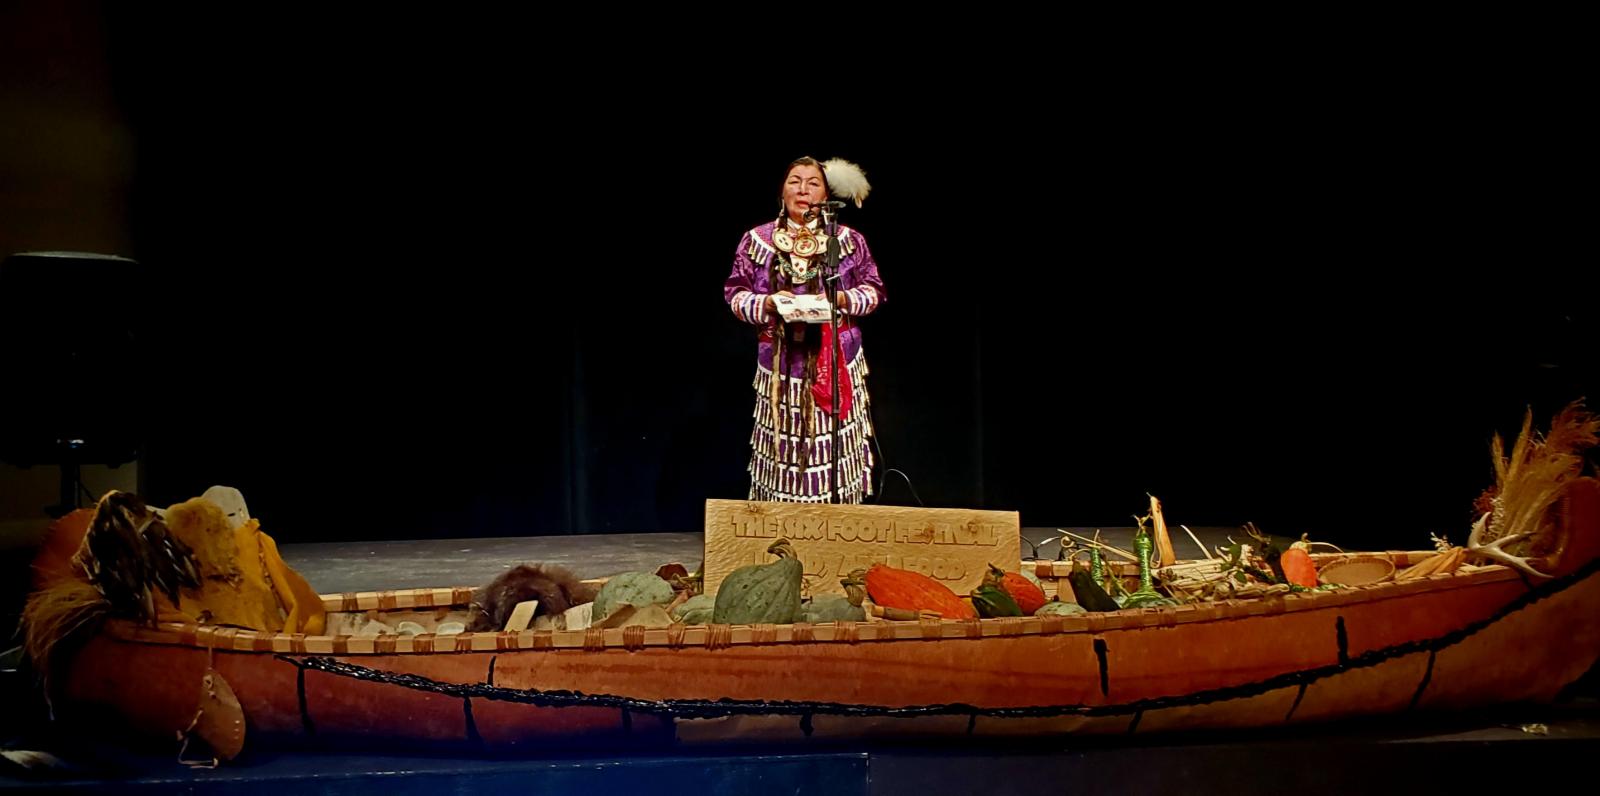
(809, 308)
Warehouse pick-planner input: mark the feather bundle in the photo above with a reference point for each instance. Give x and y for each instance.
(846, 180)
(129, 556)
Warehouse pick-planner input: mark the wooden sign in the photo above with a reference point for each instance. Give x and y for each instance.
(952, 546)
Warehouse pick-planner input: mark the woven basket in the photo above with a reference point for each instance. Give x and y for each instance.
(1357, 571)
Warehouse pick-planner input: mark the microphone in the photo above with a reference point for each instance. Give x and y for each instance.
(826, 207)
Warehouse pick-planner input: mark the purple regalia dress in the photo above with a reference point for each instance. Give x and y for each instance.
(792, 440)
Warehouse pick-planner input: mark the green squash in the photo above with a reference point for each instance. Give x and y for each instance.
(992, 601)
(1089, 593)
(696, 610)
(1140, 599)
(761, 593)
(832, 608)
(631, 588)
(1058, 608)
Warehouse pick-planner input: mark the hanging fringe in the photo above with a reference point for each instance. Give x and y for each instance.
(759, 250)
(789, 394)
(791, 441)
(775, 403)
(847, 241)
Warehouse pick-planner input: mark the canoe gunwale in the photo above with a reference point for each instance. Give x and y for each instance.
(714, 636)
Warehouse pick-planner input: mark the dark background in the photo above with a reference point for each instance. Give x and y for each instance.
(405, 277)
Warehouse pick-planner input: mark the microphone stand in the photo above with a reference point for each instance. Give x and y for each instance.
(830, 220)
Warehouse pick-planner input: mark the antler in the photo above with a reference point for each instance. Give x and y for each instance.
(1494, 550)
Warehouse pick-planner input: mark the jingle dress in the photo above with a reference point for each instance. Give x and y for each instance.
(792, 439)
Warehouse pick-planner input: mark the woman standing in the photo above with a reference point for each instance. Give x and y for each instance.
(792, 443)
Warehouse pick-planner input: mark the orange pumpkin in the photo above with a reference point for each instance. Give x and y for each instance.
(1028, 595)
(900, 588)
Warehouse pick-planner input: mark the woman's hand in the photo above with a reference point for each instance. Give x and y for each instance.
(772, 305)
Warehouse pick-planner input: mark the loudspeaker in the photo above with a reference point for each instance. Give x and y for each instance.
(76, 387)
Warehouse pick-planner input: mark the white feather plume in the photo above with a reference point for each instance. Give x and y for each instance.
(846, 180)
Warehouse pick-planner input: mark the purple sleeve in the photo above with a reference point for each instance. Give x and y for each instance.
(740, 290)
(865, 286)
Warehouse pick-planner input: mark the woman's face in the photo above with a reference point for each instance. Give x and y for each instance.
(802, 190)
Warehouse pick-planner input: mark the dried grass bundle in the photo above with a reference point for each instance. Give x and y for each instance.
(1531, 478)
(1520, 529)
